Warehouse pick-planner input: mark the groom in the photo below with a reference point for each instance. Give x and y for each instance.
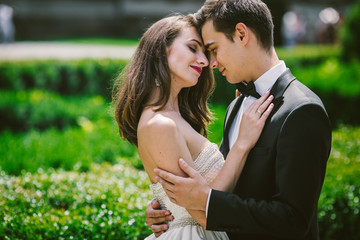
(277, 193)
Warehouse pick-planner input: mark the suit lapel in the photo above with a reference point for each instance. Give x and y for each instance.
(279, 88)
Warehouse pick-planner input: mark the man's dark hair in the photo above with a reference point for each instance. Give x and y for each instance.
(225, 14)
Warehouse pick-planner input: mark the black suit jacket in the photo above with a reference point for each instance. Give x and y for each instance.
(277, 193)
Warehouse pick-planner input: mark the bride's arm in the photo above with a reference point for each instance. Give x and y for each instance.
(252, 123)
(163, 151)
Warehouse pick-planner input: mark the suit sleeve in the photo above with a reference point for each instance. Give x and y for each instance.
(303, 147)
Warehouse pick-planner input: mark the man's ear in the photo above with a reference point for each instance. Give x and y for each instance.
(242, 32)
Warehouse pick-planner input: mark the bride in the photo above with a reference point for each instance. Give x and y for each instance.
(161, 107)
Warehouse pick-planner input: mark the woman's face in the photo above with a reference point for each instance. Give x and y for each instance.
(186, 58)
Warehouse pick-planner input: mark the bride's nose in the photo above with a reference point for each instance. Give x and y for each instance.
(202, 60)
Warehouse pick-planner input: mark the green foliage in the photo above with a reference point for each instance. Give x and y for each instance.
(76, 179)
(307, 55)
(339, 203)
(215, 129)
(37, 109)
(66, 77)
(108, 202)
(350, 33)
(88, 132)
(338, 86)
(333, 76)
(71, 149)
(316, 66)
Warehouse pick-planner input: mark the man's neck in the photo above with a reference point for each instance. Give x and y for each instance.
(265, 62)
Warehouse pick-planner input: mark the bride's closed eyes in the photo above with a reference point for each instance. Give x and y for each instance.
(192, 48)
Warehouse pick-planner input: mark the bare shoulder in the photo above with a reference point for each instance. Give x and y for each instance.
(157, 126)
(160, 131)
(160, 142)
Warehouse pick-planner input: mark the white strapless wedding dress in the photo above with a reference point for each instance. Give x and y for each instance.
(208, 163)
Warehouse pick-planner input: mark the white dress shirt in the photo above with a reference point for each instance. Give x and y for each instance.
(262, 84)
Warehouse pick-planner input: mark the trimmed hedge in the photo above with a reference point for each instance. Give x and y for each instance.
(38, 109)
(107, 202)
(71, 149)
(336, 83)
(75, 77)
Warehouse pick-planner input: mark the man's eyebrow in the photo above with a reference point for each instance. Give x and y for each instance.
(208, 45)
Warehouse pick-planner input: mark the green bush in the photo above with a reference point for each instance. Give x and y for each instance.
(307, 55)
(37, 109)
(107, 202)
(339, 203)
(71, 149)
(350, 33)
(94, 139)
(338, 86)
(215, 129)
(66, 77)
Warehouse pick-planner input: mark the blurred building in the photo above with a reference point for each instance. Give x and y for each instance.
(54, 19)
(314, 21)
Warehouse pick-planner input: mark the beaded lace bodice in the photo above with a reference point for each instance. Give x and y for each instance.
(208, 163)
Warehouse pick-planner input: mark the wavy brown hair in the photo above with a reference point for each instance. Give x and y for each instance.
(135, 84)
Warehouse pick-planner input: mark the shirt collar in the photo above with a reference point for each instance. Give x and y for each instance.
(268, 79)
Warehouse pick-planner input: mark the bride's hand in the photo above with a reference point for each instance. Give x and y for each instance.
(253, 121)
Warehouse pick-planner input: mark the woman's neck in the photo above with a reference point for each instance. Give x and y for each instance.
(171, 105)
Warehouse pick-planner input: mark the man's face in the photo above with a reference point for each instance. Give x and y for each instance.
(225, 55)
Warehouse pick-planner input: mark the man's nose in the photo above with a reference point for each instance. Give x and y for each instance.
(213, 63)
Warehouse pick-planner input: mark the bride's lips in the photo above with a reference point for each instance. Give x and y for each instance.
(198, 69)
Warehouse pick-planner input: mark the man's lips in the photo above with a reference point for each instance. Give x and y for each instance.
(198, 69)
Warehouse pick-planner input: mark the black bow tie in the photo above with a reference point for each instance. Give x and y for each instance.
(248, 89)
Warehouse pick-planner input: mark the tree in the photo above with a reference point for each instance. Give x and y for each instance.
(277, 9)
(350, 33)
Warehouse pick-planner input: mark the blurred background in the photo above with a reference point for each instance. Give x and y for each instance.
(64, 171)
(305, 22)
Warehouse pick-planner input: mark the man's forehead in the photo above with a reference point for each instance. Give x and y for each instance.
(208, 33)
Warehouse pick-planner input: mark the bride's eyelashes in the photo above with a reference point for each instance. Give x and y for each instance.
(192, 48)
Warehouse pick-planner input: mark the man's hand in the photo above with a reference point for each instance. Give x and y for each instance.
(189, 192)
(156, 218)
